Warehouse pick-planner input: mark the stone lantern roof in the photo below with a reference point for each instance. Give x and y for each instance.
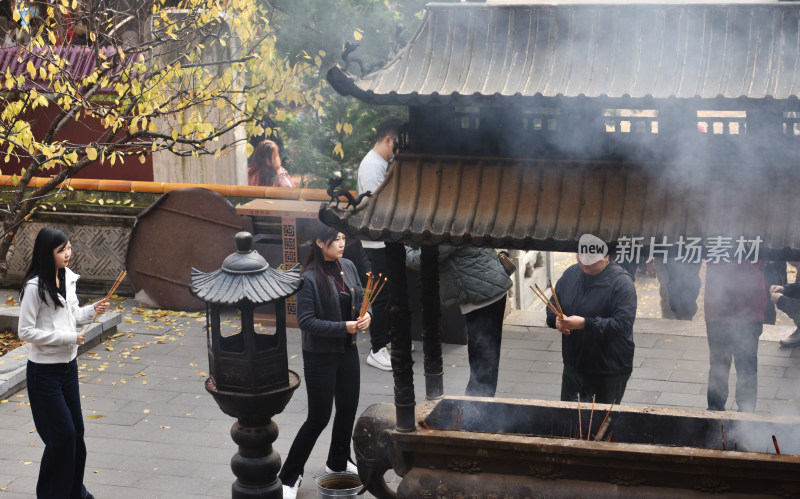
(245, 275)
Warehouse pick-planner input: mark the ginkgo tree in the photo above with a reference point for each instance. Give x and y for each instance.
(141, 76)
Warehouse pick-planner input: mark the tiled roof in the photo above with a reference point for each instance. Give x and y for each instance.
(81, 62)
(495, 52)
(549, 204)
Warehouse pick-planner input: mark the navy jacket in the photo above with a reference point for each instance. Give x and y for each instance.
(320, 317)
(608, 303)
(790, 302)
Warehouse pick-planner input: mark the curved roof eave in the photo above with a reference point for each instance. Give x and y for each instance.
(503, 53)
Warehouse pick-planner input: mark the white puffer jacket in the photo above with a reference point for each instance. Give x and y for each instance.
(51, 331)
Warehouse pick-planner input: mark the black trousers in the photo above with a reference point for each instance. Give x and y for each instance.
(606, 388)
(330, 378)
(379, 327)
(737, 341)
(484, 333)
(56, 407)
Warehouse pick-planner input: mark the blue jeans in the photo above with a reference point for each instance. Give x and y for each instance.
(56, 407)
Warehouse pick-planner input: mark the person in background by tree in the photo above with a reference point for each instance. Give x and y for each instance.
(371, 173)
(265, 167)
(47, 321)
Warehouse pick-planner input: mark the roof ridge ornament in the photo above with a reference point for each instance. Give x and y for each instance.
(349, 48)
(336, 193)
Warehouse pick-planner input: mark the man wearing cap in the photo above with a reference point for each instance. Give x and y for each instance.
(598, 300)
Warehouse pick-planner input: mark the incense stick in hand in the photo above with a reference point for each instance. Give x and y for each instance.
(371, 291)
(114, 287)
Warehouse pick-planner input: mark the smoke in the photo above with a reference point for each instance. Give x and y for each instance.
(679, 96)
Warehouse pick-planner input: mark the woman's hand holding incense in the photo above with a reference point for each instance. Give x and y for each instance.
(101, 307)
(358, 325)
(81, 338)
(363, 322)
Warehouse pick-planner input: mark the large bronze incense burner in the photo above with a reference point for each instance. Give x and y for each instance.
(530, 125)
(477, 447)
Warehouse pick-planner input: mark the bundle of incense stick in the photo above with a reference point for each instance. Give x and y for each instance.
(374, 286)
(543, 297)
(114, 287)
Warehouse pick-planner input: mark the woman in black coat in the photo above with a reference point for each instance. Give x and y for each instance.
(328, 305)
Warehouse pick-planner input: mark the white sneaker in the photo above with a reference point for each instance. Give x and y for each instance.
(792, 339)
(351, 468)
(290, 492)
(380, 360)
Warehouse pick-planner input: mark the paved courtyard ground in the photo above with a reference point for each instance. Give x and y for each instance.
(153, 432)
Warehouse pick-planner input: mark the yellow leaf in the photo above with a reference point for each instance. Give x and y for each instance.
(175, 134)
(52, 37)
(95, 416)
(357, 34)
(31, 69)
(142, 159)
(91, 153)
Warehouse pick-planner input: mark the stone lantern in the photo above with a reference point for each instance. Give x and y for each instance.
(250, 378)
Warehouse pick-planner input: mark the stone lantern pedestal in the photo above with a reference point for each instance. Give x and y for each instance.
(250, 379)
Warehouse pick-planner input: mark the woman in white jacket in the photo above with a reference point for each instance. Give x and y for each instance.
(48, 315)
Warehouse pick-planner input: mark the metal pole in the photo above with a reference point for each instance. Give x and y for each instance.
(431, 322)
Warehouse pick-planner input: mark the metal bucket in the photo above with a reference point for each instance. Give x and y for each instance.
(338, 484)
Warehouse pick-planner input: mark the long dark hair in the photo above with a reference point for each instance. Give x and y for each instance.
(43, 265)
(315, 262)
(266, 154)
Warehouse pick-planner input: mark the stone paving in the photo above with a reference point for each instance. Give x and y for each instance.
(153, 432)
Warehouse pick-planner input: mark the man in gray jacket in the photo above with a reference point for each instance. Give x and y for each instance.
(476, 281)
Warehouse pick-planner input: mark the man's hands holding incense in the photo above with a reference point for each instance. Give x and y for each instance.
(569, 323)
(775, 293)
(359, 325)
(100, 307)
